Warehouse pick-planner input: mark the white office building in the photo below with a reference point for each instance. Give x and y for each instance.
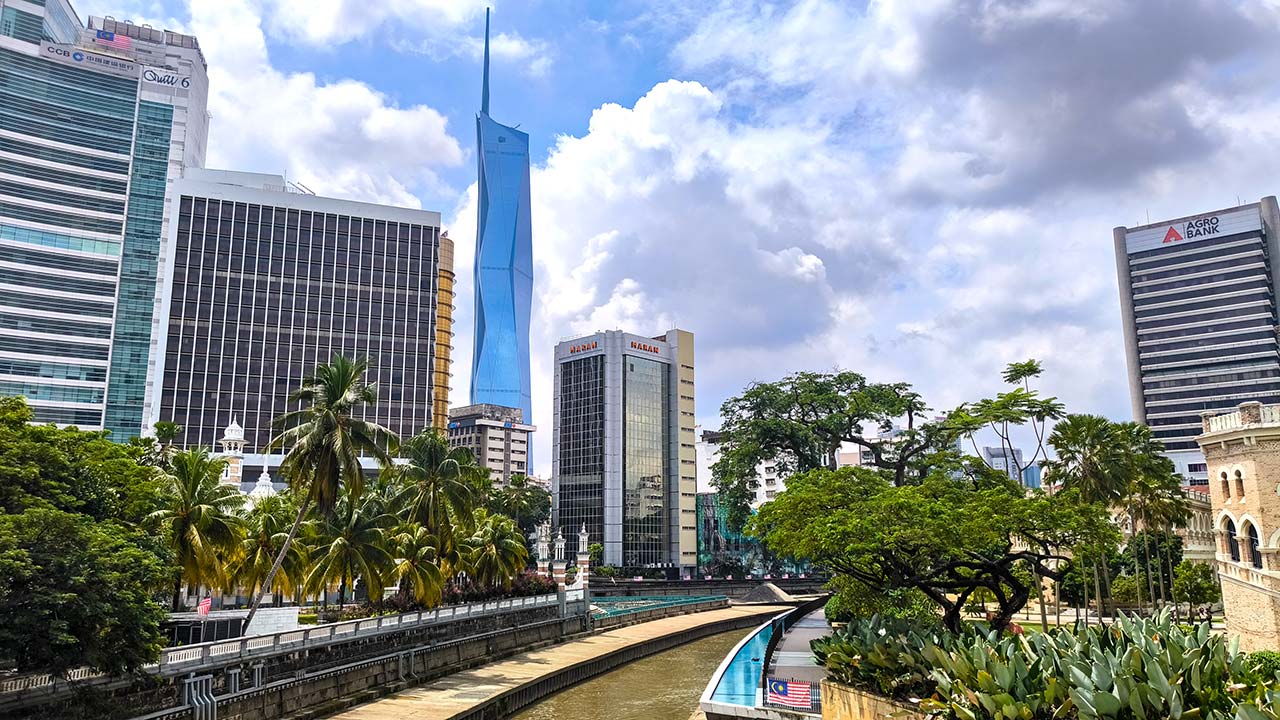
(497, 436)
(1198, 303)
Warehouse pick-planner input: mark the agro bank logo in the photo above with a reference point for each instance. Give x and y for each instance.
(1193, 228)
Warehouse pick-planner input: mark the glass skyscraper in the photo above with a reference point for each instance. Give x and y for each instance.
(95, 123)
(503, 262)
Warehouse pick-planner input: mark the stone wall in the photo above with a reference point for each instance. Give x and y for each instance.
(841, 702)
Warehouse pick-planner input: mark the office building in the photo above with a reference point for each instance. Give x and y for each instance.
(266, 284)
(769, 475)
(1004, 459)
(503, 262)
(623, 455)
(1031, 477)
(1198, 304)
(497, 436)
(96, 123)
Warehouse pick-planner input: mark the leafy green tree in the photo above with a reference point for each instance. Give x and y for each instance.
(494, 553)
(945, 537)
(522, 501)
(266, 528)
(440, 487)
(851, 600)
(351, 543)
(800, 422)
(596, 552)
(324, 442)
(77, 592)
(200, 520)
(1007, 411)
(1195, 583)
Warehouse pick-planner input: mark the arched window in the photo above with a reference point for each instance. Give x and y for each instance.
(1226, 486)
(1255, 555)
(1239, 484)
(1232, 543)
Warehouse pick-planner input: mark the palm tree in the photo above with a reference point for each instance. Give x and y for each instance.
(266, 530)
(1092, 461)
(416, 564)
(350, 543)
(495, 552)
(325, 440)
(440, 487)
(200, 519)
(523, 502)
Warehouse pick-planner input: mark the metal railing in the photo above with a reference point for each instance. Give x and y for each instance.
(780, 627)
(628, 604)
(191, 658)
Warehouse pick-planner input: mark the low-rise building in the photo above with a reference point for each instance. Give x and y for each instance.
(496, 435)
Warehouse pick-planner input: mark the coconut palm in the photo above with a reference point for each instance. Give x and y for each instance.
(1091, 461)
(495, 551)
(324, 441)
(199, 519)
(416, 564)
(523, 502)
(440, 487)
(349, 544)
(266, 527)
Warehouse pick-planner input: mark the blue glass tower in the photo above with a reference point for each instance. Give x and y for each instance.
(504, 261)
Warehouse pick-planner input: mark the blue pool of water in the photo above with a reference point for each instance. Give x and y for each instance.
(742, 677)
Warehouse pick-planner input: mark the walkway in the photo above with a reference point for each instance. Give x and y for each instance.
(459, 692)
(792, 659)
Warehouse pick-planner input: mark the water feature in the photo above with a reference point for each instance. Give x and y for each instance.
(665, 686)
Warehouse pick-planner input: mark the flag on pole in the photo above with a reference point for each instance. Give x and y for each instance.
(790, 694)
(110, 39)
(205, 606)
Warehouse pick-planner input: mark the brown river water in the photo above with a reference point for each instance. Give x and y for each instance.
(665, 686)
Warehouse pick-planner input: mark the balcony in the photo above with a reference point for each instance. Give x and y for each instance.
(1248, 415)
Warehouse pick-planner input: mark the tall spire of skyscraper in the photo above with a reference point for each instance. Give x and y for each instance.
(484, 93)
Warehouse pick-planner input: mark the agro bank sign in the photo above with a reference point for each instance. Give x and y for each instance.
(1194, 229)
(72, 55)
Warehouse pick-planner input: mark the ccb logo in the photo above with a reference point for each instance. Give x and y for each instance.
(77, 56)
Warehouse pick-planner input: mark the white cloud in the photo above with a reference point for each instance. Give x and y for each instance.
(343, 138)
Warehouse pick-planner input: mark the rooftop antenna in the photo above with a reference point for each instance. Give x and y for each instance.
(484, 93)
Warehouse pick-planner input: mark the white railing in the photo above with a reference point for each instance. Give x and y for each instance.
(1226, 421)
(1271, 414)
(190, 658)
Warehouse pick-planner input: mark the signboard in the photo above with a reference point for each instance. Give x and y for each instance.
(72, 55)
(1194, 229)
(164, 80)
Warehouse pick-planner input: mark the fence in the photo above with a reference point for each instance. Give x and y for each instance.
(193, 658)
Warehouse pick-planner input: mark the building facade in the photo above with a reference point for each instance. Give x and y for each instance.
(769, 477)
(623, 450)
(497, 436)
(1242, 449)
(266, 284)
(1198, 303)
(503, 262)
(96, 124)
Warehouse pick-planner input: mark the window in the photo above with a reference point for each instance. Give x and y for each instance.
(1226, 486)
(1255, 554)
(1239, 485)
(1233, 545)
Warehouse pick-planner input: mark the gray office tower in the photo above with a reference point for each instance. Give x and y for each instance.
(95, 124)
(1198, 301)
(268, 283)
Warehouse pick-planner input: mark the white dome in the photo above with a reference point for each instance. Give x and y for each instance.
(263, 488)
(233, 432)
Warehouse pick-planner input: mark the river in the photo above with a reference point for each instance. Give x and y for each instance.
(665, 686)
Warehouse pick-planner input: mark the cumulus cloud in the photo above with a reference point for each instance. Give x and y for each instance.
(342, 138)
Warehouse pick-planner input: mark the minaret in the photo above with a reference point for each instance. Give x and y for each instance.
(263, 489)
(232, 443)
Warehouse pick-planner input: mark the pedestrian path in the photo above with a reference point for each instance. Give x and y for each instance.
(792, 659)
(460, 692)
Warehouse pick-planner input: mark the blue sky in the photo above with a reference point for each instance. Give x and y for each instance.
(919, 190)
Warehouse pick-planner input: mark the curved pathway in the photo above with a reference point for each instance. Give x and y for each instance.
(463, 692)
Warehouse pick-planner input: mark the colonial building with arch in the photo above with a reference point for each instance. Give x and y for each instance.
(1242, 449)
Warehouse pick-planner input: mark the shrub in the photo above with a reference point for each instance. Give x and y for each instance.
(1132, 668)
(1265, 662)
(853, 600)
(307, 618)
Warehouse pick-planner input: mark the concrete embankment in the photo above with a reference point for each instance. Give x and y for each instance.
(498, 689)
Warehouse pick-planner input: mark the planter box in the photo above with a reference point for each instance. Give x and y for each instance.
(841, 702)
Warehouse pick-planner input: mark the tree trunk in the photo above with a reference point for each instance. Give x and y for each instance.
(177, 595)
(1160, 571)
(275, 567)
(1146, 550)
(1044, 612)
(1133, 539)
(1109, 598)
(1097, 591)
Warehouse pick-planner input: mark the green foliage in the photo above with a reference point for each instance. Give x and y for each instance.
(1195, 583)
(852, 600)
(1266, 663)
(77, 592)
(945, 536)
(440, 488)
(77, 577)
(1133, 668)
(596, 552)
(1124, 589)
(494, 552)
(522, 501)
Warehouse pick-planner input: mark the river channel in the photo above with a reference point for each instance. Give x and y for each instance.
(665, 686)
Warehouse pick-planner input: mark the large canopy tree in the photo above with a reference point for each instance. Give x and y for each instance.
(948, 536)
(323, 443)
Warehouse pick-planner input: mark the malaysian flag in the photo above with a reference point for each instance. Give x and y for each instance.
(205, 606)
(789, 693)
(112, 40)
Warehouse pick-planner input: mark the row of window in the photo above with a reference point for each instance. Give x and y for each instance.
(94, 308)
(59, 261)
(55, 393)
(55, 326)
(1237, 258)
(61, 371)
(63, 156)
(1261, 283)
(34, 346)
